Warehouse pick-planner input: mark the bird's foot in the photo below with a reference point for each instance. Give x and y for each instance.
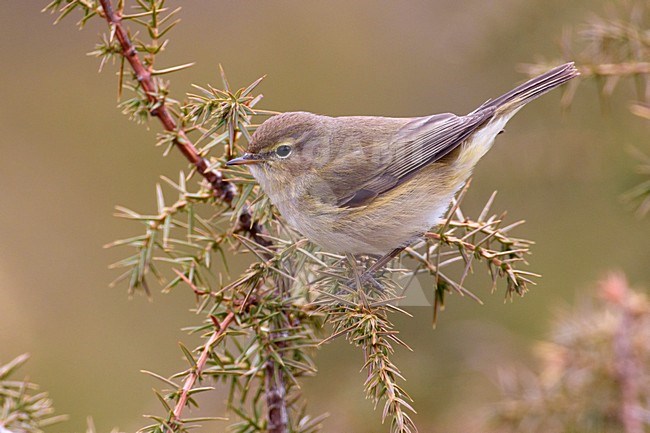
(366, 278)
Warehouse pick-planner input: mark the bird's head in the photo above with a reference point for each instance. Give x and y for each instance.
(286, 147)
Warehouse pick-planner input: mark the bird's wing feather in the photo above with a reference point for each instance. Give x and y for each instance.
(415, 145)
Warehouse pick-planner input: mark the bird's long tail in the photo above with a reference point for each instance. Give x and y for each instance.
(498, 111)
(531, 89)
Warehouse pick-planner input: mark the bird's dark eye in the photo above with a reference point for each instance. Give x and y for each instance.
(283, 151)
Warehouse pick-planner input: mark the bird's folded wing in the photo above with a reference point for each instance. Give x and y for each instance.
(417, 144)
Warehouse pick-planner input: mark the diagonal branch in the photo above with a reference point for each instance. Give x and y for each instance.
(275, 387)
(194, 375)
(143, 74)
(222, 188)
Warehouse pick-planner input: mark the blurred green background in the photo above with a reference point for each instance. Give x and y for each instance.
(68, 156)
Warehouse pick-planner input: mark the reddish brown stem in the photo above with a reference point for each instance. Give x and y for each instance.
(191, 379)
(222, 188)
(277, 410)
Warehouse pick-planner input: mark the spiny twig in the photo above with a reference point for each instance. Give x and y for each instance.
(194, 375)
(145, 79)
(23, 408)
(222, 188)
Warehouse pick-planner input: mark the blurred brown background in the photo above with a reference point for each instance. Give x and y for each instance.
(68, 156)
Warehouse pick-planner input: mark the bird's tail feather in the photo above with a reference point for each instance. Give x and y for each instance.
(531, 89)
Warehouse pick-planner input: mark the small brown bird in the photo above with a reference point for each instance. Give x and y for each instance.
(372, 185)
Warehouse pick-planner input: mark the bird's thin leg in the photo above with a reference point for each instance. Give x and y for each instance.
(355, 269)
(368, 275)
(383, 261)
(359, 278)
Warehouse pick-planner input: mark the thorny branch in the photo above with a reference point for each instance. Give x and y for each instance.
(611, 49)
(24, 408)
(222, 188)
(194, 375)
(144, 78)
(277, 411)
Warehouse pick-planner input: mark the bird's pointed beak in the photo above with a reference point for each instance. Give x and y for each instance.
(245, 159)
